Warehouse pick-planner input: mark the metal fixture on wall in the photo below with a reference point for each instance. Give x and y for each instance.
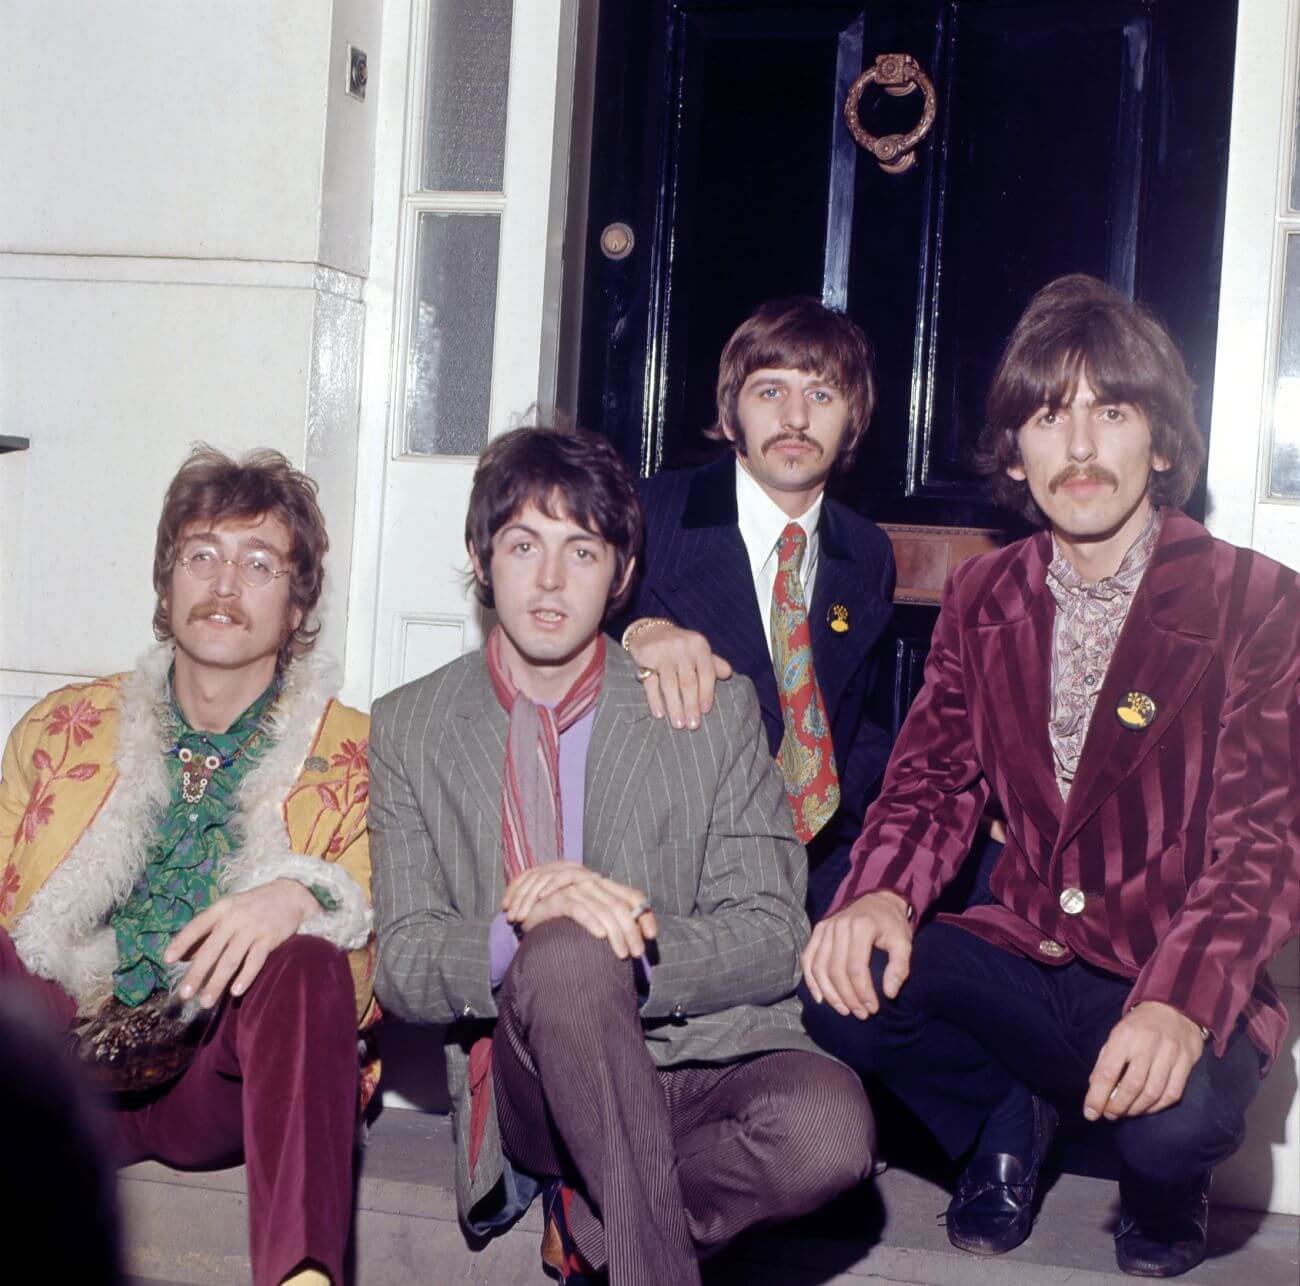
(896, 74)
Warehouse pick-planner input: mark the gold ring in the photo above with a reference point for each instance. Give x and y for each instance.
(644, 672)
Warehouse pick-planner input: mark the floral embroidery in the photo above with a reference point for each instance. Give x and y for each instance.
(79, 720)
(341, 794)
(39, 810)
(9, 889)
(75, 723)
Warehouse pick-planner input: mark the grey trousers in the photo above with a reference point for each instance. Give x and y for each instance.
(669, 1164)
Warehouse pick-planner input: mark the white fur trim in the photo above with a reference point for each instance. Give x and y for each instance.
(347, 926)
(63, 933)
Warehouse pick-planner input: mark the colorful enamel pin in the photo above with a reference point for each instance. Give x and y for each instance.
(838, 617)
(1136, 711)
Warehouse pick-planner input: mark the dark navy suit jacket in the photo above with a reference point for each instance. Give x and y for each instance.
(695, 570)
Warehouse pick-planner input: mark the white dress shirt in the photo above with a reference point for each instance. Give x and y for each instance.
(762, 521)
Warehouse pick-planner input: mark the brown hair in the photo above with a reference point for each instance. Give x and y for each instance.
(798, 334)
(1078, 326)
(552, 468)
(212, 486)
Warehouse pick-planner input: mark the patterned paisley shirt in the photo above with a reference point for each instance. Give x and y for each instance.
(1089, 617)
(192, 841)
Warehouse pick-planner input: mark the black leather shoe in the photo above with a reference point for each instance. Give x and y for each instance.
(1162, 1228)
(992, 1210)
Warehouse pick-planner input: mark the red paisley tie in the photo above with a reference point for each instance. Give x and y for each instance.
(806, 757)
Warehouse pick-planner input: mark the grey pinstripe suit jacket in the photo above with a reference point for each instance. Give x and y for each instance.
(698, 820)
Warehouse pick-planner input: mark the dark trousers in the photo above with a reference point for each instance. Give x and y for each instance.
(973, 1021)
(668, 1163)
(275, 1080)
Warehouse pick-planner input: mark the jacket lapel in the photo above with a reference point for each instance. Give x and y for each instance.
(1163, 650)
(712, 586)
(1011, 657)
(842, 581)
(620, 748)
(480, 728)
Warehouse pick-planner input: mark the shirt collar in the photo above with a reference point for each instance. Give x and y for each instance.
(1063, 579)
(762, 520)
(238, 732)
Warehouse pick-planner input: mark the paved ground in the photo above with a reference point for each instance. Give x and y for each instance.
(190, 1228)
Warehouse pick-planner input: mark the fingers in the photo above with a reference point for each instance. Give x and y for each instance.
(899, 947)
(253, 962)
(537, 882)
(674, 704)
(224, 969)
(214, 964)
(1177, 1083)
(655, 697)
(848, 970)
(190, 936)
(604, 913)
(837, 966)
(1129, 1086)
(1157, 1079)
(1106, 1073)
(690, 679)
(685, 672)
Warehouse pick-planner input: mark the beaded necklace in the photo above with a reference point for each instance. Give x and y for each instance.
(197, 772)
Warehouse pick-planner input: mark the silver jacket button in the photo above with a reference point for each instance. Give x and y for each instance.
(678, 1012)
(467, 1012)
(1050, 947)
(1072, 901)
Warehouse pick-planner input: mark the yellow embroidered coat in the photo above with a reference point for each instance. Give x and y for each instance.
(84, 777)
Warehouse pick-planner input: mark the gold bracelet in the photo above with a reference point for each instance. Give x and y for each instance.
(640, 627)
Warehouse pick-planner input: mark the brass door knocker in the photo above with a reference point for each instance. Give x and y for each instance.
(896, 74)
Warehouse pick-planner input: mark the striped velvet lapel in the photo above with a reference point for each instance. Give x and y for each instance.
(1011, 658)
(1163, 650)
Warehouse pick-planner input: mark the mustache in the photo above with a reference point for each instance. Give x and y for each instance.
(1086, 473)
(213, 607)
(801, 438)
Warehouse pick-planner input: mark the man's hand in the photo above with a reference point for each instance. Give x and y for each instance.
(837, 959)
(604, 908)
(526, 889)
(1144, 1064)
(685, 672)
(239, 930)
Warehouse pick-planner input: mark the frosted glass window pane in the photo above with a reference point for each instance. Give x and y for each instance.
(465, 118)
(1284, 471)
(449, 353)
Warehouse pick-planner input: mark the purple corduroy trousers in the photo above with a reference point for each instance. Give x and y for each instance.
(274, 1081)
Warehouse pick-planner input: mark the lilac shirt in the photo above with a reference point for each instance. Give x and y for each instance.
(575, 741)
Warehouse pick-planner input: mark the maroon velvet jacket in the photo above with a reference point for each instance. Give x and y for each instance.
(1183, 835)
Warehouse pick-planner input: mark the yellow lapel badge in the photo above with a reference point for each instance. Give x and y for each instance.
(838, 617)
(1136, 711)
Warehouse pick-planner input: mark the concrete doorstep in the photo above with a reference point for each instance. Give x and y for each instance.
(190, 1228)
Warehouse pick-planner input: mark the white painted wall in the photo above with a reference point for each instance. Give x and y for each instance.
(1265, 1174)
(184, 229)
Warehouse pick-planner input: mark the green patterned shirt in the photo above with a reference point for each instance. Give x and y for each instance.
(192, 843)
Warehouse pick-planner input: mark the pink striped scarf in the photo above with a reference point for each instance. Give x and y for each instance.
(532, 823)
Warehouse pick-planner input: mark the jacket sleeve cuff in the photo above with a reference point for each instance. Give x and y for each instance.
(347, 926)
